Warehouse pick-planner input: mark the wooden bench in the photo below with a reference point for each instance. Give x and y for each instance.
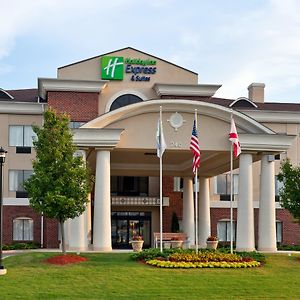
(169, 236)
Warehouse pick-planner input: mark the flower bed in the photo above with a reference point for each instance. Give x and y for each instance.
(178, 258)
(65, 259)
(212, 264)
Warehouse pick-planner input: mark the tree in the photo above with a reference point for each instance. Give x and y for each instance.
(60, 182)
(290, 192)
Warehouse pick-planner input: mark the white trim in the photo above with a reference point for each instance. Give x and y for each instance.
(24, 108)
(96, 137)
(121, 93)
(265, 142)
(16, 202)
(53, 84)
(206, 90)
(268, 116)
(243, 121)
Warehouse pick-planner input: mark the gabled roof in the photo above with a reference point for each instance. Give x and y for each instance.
(24, 95)
(131, 48)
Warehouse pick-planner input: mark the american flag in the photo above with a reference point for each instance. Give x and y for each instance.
(194, 146)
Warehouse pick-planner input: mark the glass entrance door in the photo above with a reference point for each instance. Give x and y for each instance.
(127, 224)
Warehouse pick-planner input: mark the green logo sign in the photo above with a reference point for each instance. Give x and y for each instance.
(112, 67)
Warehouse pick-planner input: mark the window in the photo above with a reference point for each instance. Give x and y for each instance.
(278, 186)
(23, 229)
(129, 186)
(125, 100)
(16, 180)
(222, 186)
(21, 136)
(178, 184)
(278, 231)
(223, 230)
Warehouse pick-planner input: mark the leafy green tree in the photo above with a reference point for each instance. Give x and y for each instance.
(290, 192)
(60, 182)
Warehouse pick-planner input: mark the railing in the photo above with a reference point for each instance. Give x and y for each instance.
(134, 201)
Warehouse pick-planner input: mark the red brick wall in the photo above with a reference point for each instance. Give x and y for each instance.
(12, 212)
(81, 107)
(175, 203)
(291, 230)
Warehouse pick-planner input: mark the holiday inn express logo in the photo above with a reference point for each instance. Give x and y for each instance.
(112, 67)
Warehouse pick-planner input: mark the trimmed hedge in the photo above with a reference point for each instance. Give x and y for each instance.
(21, 246)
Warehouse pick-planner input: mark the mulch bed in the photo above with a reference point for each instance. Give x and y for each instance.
(65, 259)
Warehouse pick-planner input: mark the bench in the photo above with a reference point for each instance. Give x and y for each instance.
(168, 237)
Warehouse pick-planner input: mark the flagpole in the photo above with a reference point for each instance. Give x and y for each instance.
(231, 191)
(196, 193)
(160, 185)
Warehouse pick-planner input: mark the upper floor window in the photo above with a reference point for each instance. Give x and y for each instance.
(21, 136)
(129, 186)
(23, 229)
(222, 186)
(125, 100)
(16, 180)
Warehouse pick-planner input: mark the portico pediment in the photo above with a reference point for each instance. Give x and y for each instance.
(136, 148)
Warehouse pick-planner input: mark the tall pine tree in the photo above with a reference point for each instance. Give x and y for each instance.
(60, 182)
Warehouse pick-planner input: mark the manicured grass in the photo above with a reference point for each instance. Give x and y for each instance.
(116, 276)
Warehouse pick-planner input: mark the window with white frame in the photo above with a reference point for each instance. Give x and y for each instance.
(23, 229)
(223, 230)
(222, 185)
(21, 136)
(17, 178)
(278, 231)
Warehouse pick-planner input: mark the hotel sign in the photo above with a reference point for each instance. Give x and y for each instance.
(114, 68)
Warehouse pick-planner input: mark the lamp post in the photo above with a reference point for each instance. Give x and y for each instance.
(2, 160)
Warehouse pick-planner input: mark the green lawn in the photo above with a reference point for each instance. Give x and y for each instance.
(116, 276)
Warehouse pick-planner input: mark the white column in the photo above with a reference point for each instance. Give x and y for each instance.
(204, 211)
(102, 211)
(188, 209)
(245, 215)
(267, 213)
(77, 227)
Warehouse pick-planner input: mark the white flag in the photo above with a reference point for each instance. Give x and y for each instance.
(160, 140)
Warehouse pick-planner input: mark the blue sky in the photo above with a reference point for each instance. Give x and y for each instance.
(233, 43)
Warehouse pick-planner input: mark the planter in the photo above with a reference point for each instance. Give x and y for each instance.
(212, 244)
(137, 246)
(176, 244)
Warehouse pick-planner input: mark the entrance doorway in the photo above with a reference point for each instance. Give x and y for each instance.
(124, 225)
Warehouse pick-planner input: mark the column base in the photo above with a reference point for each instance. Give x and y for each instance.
(102, 249)
(3, 271)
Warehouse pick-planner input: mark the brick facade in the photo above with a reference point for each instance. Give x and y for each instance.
(50, 226)
(290, 229)
(175, 203)
(80, 106)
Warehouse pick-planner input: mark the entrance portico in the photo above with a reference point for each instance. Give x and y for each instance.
(122, 143)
